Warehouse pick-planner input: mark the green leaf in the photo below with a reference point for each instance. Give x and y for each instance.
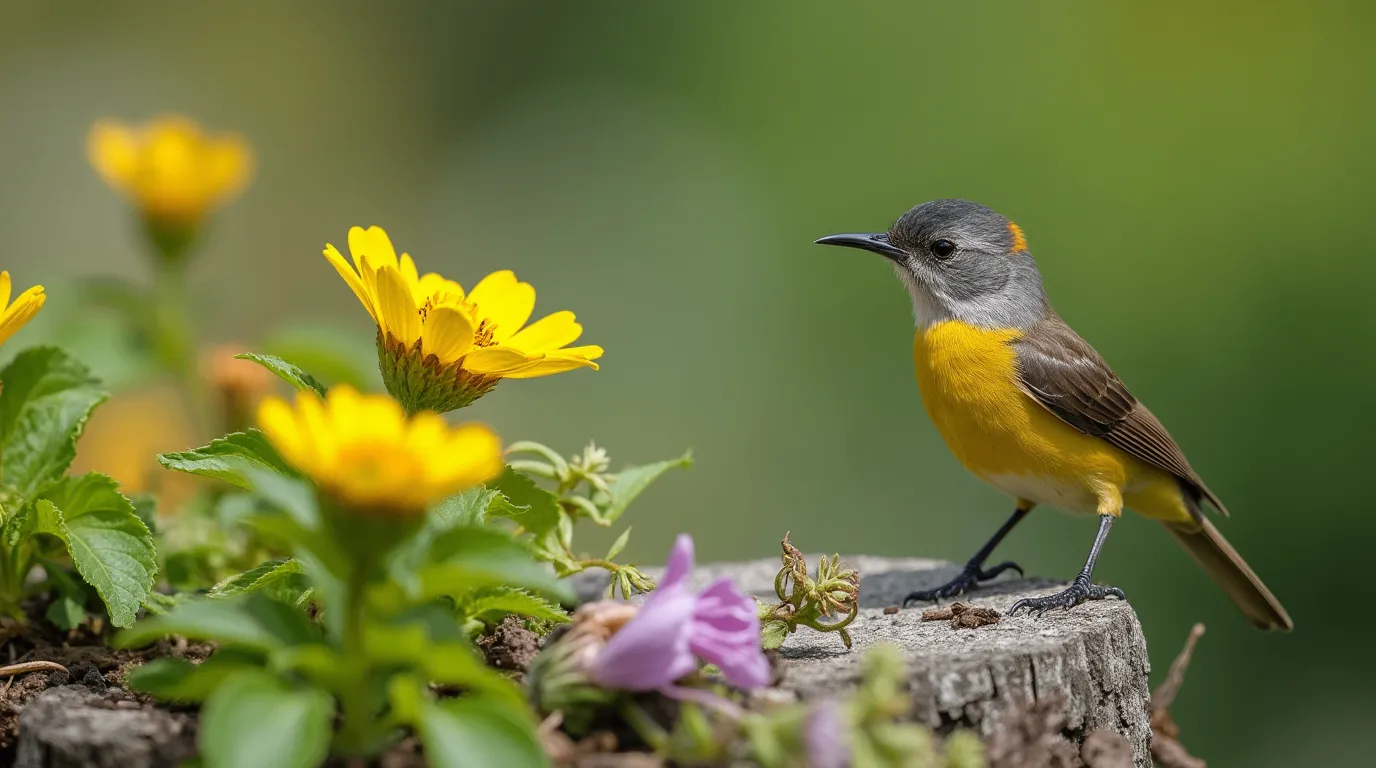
(65, 613)
(532, 507)
(492, 604)
(286, 372)
(619, 544)
(631, 481)
(180, 680)
(272, 573)
(463, 559)
(48, 397)
(772, 634)
(146, 507)
(474, 732)
(254, 719)
(451, 662)
(462, 509)
(109, 545)
(252, 621)
(232, 458)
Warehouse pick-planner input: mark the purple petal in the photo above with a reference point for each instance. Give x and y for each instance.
(652, 650)
(726, 632)
(824, 734)
(680, 565)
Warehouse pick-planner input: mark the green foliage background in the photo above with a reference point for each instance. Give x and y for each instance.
(1195, 179)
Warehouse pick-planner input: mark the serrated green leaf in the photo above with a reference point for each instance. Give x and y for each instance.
(252, 621)
(492, 604)
(109, 545)
(48, 396)
(232, 458)
(286, 372)
(146, 507)
(272, 573)
(180, 680)
(462, 509)
(255, 719)
(472, 732)
(619, 544)
(532, 507)
(631, 481)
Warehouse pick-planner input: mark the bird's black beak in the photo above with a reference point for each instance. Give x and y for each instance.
(877, 242)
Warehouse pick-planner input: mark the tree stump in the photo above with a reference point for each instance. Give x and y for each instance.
(1092, 660)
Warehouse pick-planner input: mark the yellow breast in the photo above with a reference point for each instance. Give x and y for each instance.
(968, 378)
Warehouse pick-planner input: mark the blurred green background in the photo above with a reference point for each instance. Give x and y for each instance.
(1195, 180)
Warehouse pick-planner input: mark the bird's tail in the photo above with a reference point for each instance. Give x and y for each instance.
(1227, 568)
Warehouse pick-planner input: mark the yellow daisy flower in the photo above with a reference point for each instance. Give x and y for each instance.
(373, 459)
(171, 169)
(17, 315)
(440, 348)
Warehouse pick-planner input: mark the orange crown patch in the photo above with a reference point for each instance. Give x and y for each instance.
(1019, 241)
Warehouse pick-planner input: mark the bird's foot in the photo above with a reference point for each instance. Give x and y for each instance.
(968, 579)
(1078, 592)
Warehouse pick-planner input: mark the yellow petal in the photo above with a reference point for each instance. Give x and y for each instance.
(499, 361)
(278, 422)
(352, 278)
(443, 290)
(558, 362)
(548, 333)
(504, 302)
(5, 287)
(113, 151)
(399, 314)
(448, 334)
(374, 244)
(227, 166)
(18, 314)
(473, 455)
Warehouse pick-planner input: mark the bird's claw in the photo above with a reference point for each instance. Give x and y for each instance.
(967, 579)
(1078, 592)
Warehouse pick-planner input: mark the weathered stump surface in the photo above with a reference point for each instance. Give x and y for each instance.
(1094, 656)
(71, 727)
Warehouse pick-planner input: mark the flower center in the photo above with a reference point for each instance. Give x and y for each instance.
(484, 328)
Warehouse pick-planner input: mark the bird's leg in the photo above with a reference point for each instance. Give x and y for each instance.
(974, 571)
(1081, 589)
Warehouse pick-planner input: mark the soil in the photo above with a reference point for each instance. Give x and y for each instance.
(88, 663)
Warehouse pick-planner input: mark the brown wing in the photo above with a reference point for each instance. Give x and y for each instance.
(1063, 373)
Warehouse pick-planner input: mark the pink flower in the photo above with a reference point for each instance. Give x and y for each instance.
(675, 628)
(824, 734)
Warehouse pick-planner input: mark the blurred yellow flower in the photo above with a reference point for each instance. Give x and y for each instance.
(365, 453)
(441, 348)
(171, 169)
(17, 315)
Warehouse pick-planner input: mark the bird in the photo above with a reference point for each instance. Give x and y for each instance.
(1030, 408)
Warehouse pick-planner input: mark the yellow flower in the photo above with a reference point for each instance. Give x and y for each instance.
(365, 453)
(169, 167)
(441, 348)
(17, 315)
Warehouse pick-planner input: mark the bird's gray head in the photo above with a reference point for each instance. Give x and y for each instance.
(960, 261)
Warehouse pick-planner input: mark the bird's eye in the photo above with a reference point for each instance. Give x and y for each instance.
(943, 249)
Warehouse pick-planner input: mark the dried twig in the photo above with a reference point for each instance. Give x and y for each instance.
(1165, 743)
(31, 666)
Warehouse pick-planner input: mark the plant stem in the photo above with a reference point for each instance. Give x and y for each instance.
(174, 335)
(356, 698)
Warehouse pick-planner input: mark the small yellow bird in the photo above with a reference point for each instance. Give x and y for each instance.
(1030, 408)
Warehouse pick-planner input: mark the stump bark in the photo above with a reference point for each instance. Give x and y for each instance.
(1091, 660)
(72, 727)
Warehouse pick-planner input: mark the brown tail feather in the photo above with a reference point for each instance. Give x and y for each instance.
(1227, 568)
